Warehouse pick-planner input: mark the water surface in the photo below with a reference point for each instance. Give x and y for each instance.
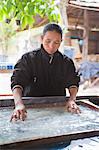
(45, 122)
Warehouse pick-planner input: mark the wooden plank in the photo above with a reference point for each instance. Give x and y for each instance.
(88, 104)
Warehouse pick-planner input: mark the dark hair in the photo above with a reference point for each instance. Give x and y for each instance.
(52, 27)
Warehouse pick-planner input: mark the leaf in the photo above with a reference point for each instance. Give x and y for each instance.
(30, 20)
(24, 21)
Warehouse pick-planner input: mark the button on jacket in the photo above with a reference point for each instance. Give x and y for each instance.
(41, 74)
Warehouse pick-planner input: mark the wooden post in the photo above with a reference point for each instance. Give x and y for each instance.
(62, 6)
(64, 21)
(85, 35)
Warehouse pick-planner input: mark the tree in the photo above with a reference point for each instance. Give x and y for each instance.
(26, 11)
(27, 14)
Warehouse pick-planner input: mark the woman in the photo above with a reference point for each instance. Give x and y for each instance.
(44, 72)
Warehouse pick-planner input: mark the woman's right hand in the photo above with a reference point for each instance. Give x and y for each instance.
(19, 113)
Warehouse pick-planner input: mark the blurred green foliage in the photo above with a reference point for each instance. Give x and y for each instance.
(27, 10)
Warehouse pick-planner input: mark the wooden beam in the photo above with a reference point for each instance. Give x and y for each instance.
(73, 27)
(80, 27)
(76, 5)
(85, 36)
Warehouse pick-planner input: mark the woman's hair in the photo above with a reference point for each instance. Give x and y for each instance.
(52, 27)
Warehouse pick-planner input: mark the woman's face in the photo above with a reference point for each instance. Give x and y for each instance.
(51, 41)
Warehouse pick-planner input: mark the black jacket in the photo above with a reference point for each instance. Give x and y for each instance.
(40, 75)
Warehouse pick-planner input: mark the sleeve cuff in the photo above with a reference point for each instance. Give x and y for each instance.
(17, 86)
(73, 86)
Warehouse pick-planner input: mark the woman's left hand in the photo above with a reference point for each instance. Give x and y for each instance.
(72, 107)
